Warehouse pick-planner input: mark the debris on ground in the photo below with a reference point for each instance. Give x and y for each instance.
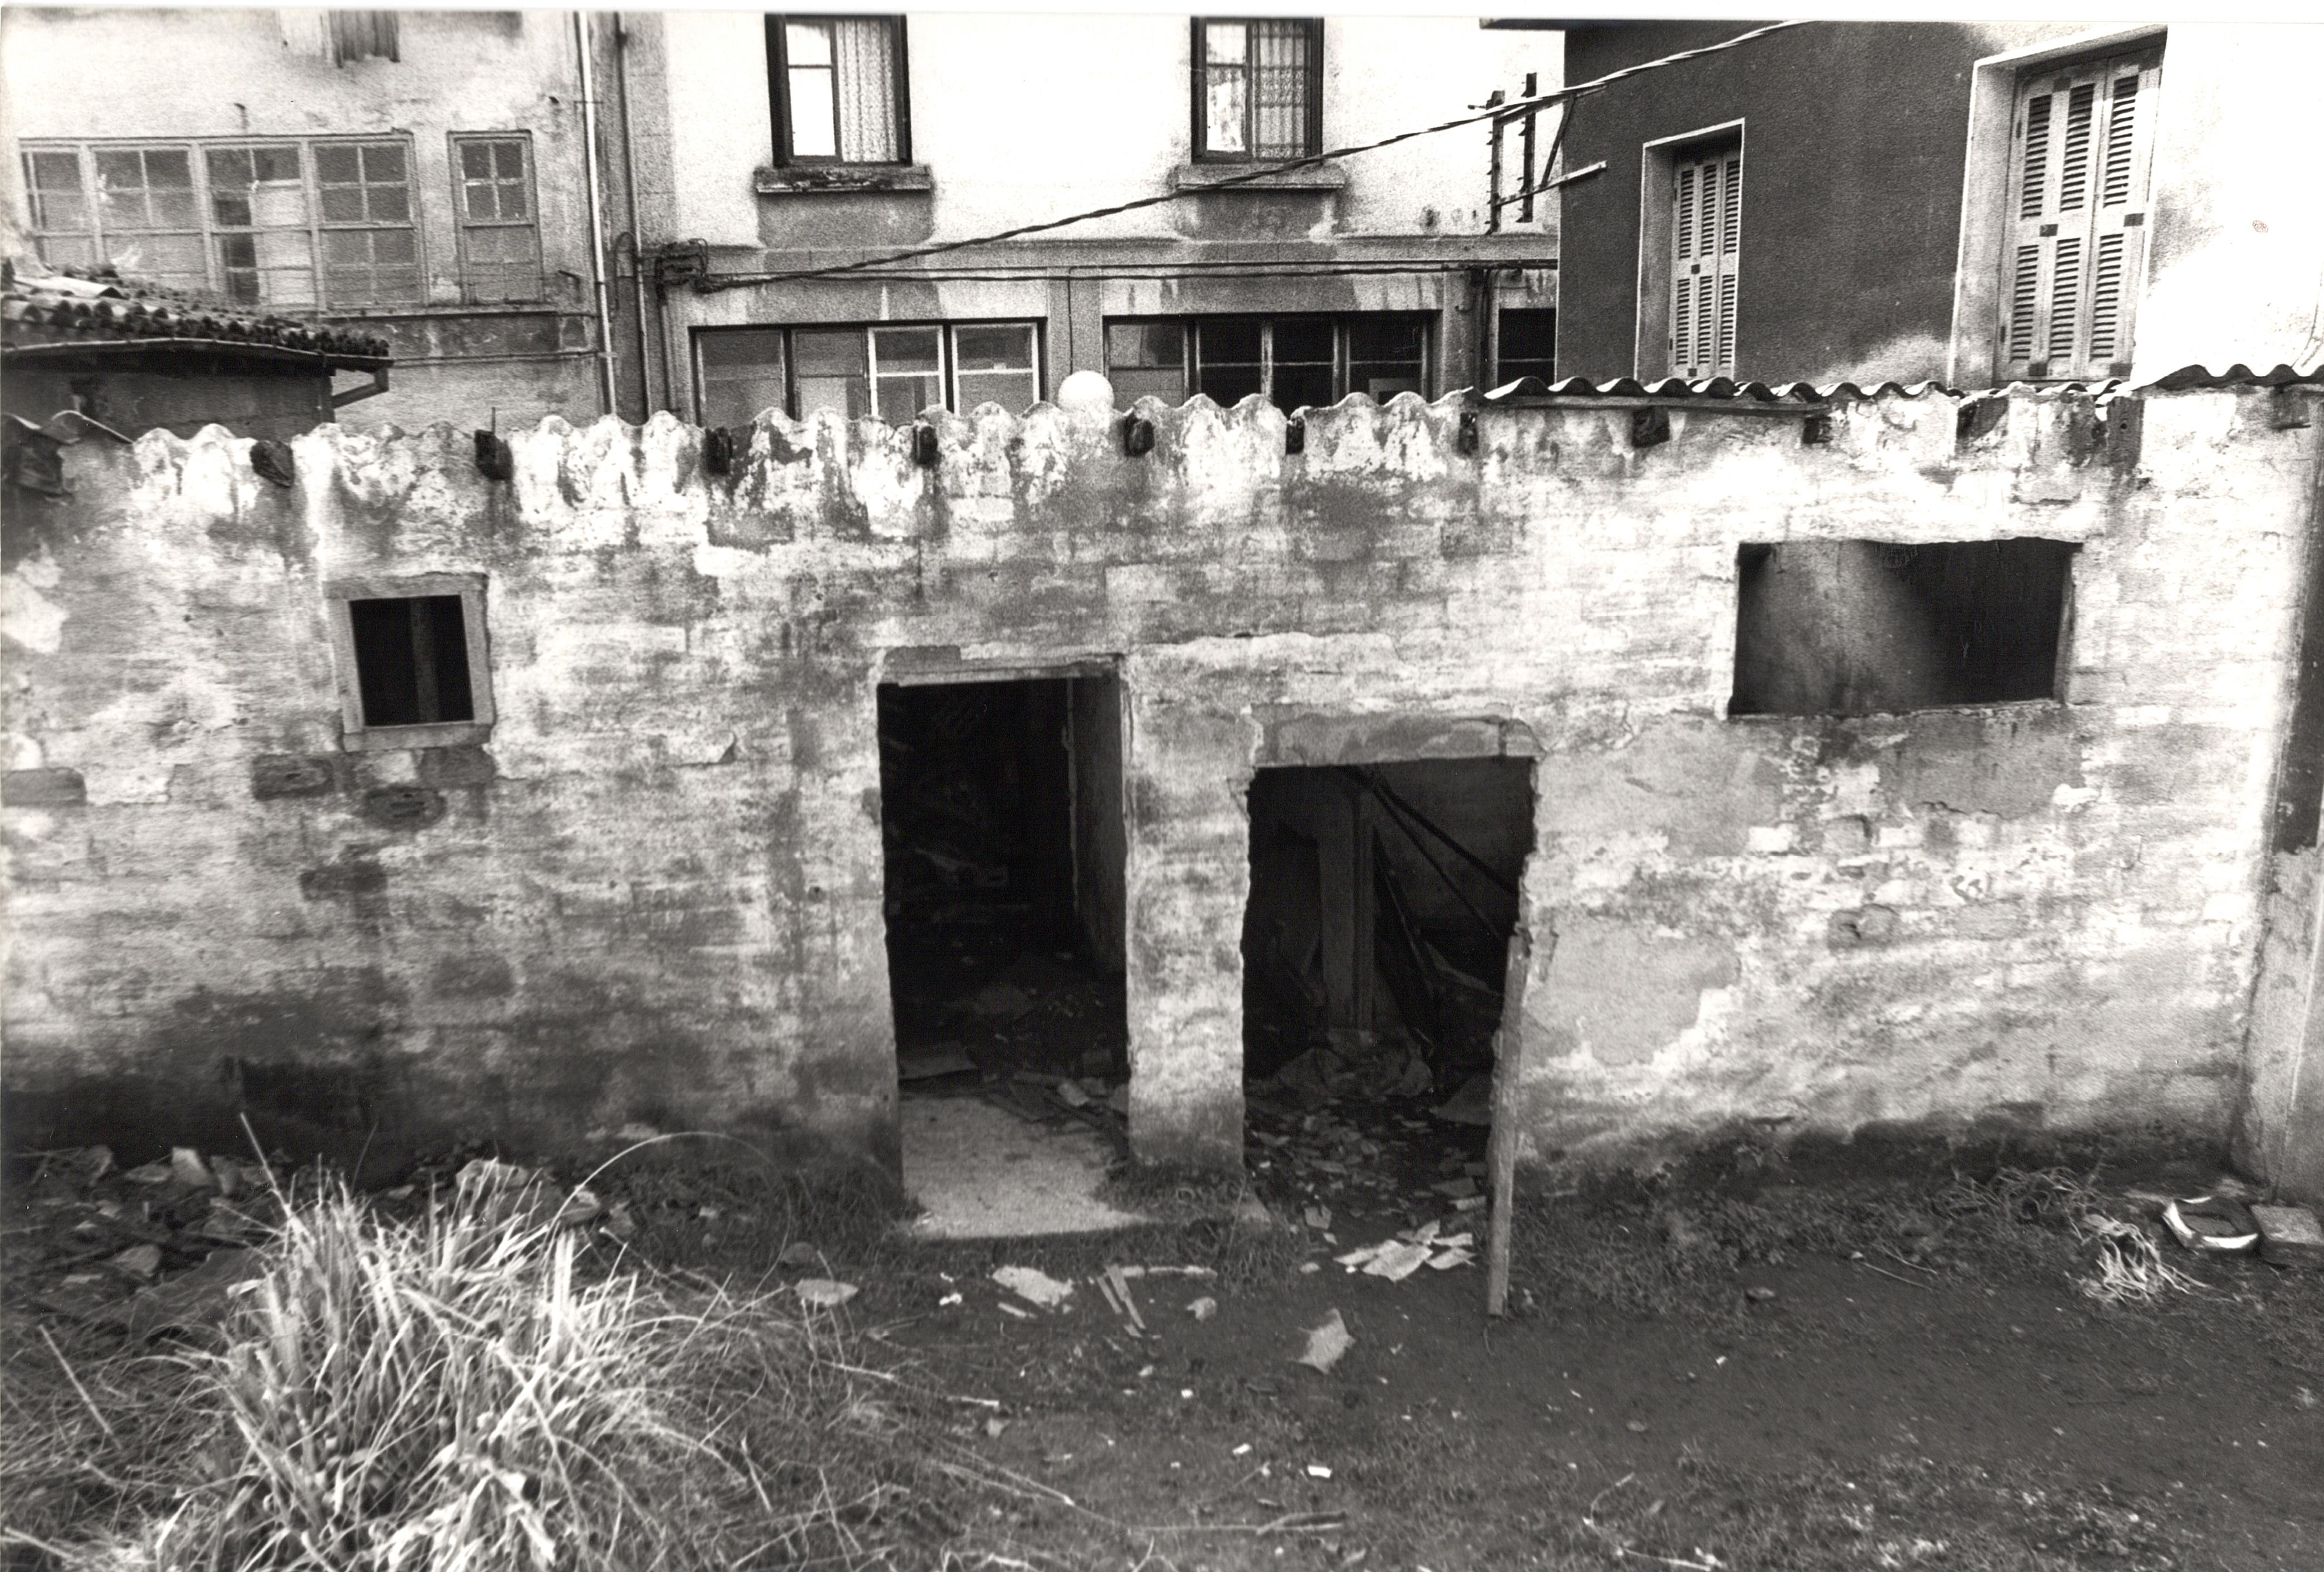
(1759, 1295)
(2130, 1268)
(1398, 1258)
(799, 1252)
(1326, 1344)
(1031, 1283)
(2217, 1225)
(2288, 1235)
(928, 1064)
(1202, 1308)
(823, 1292)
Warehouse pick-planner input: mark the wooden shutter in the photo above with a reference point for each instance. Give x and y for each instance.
(1706, 238)
(2080, 150)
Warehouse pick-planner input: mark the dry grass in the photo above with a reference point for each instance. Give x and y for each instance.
(463, 1391)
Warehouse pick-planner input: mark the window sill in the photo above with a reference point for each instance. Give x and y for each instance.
(807, 180)
(1210, 177)
(384, 739)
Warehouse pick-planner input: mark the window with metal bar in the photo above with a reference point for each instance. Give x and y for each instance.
(839, 90)
(412, 661)
(891, 370)
(500, 230)
(1290, 361)
(285, 225)
(1257, 86)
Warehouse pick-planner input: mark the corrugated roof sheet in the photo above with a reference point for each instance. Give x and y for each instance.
(42, 310)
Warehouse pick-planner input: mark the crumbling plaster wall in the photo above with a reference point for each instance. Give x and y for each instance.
(654, 894)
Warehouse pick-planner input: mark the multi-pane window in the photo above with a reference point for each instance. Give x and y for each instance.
(893, 371)
(1706, 246)
(1291, 361)
(246, 220)
(839, 90)
(1527, 345)
(1258, 89)
(499, 231)
(2081, 144)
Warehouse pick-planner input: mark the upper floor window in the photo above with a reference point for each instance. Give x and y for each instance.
(1291, 361)
(1258, 89)
(286, 225)
(2081, 143)
(1706, 244)
(839, 90)
(891, 370)
(500, 228)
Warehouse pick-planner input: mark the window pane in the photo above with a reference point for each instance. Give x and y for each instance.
(1130, 345)
(832, 373)
(1302, 386)
(1302, 338)
(1006, 347)
(1387, 355)
(476, 160)
(903, 397)
(389, 203)
(814, 131)
(1528, 344)
(863, 51)
(1015, 391)
(1224, 43)
(59, 202)
(1223, 340)
(1226, 47)
(68, 251)
(1227, 382)
(232, 174)
(1130, 385)
(901, 350)
(335, 160)
(741, 375)
(1280, 83)
(808, 43)
(382, 160)
(343, 204)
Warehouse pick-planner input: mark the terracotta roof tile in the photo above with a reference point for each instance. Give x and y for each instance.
(38, 309)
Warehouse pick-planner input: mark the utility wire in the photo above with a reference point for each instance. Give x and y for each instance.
(711, 282)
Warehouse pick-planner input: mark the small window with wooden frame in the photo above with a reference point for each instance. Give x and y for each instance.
(1258, 89)
(841, 90)
(413, 665)
(2081, 143)
(1690, 255)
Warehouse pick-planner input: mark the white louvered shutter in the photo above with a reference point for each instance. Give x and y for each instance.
(1706, 237)
(2082, 144)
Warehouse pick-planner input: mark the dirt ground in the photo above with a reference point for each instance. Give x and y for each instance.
(1924, 1386)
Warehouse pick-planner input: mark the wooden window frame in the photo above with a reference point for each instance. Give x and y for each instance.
(1197, 79)
(1658, 162)
(198, 151)
(949, 363)
(355, 736)
(462, 223)
(1976, 353)
(778, 92)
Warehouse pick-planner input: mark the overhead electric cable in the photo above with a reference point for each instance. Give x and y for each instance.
(715, 281)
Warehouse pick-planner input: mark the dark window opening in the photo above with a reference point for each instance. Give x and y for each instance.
(1292, 362)
(1527, 346)
(1375, 951)
(412, 661)
(1005, 851)
(1861, 627)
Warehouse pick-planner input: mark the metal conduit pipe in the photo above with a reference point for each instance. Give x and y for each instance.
(597, 214)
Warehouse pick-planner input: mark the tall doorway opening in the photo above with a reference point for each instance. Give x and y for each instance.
(1000, 805)
(1383, 898)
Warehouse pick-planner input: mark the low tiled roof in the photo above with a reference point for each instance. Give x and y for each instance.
(1727, 389)
(43, 310)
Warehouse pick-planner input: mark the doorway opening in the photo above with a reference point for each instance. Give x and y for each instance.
(1376, 945)
(1000, 807)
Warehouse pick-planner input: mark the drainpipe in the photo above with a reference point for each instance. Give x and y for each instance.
(637, 236)
(597, 214)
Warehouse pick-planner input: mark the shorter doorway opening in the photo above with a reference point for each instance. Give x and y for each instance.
(1000, 807)
(1375, 948)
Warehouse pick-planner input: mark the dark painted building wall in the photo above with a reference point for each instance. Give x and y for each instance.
(1854, 140)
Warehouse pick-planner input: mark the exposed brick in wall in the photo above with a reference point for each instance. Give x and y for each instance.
(654, 894)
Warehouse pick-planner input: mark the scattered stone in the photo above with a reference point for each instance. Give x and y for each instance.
(149, 1173)
(1759, 1295)
(1326, 1344)
(1319, 1471)
(196, 1301)
(1031, 1283)
(140, 1261)
(2288, 1235)
(186, 1166)
(823, 1293)
(1471, 1105)
(1204, 1308)
(1397, 1260)
(1071, 1095)
(581, 1206)
(1636, 1427)
(799, 1252)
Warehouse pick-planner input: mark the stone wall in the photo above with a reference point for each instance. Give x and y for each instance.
(654, 893)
